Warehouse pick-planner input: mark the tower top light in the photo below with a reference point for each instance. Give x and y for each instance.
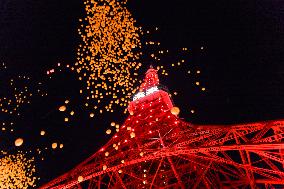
(151, 79)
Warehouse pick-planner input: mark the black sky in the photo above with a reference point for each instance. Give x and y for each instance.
(242, 62)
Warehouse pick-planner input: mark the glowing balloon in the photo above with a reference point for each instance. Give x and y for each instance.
(19, 142)
(175, 111)
(80, 179)
(108, 131)
(54, 145)
(62, 108)
(132, 134)
(104, 167)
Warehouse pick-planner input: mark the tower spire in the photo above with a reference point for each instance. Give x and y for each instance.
(149, 92)
(151, 79)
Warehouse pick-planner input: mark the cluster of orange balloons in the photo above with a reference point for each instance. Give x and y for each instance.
(17, 172)
(21, 95)
(20, 87)
(108, 57)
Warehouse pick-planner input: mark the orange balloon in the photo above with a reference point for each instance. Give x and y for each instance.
(62, 108)
(175, 111)
(19, 142)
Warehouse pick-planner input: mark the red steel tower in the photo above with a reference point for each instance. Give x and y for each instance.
(155, 149)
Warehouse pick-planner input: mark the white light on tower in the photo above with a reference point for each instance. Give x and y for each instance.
(152, 90)
(138, 95)
(142, 94)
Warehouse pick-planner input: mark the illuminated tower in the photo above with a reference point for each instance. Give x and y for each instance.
(153, 148)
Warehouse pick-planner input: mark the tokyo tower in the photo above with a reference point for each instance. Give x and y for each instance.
(153, 148)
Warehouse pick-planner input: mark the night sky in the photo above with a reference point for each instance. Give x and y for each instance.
(241, 67)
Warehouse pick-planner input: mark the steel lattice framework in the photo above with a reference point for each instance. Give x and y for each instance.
(155, 149)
